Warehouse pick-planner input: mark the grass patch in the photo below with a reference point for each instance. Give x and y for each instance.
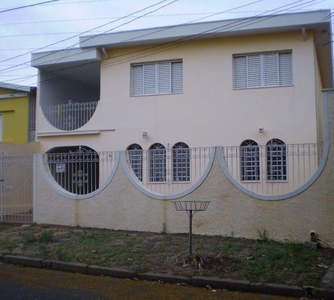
(261, 261)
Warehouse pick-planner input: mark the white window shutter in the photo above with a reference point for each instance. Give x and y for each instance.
(149, 79)
(164, 78)
(254, 71)
(137, 80)
(285, 68)
(240, 72)
(177, 77)
(270, 69)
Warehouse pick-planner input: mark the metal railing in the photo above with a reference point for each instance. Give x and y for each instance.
(16, 188)
(71, 115)
(80, 172)
(265, 170)
(272, 170)
(168, 171)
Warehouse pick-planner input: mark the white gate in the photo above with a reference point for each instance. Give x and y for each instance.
(16, 188)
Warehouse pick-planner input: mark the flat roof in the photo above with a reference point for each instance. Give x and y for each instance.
(316, 20)
(17, 87)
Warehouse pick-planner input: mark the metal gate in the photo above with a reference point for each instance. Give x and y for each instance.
(16, 188)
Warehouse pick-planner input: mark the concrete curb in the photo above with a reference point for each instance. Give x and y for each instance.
(197, 281)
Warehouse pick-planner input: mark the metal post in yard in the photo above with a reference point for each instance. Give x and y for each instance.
(191, 207)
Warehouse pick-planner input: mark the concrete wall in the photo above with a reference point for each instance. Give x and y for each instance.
(231, 212)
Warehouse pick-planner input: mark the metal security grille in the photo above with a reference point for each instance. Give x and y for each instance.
(71, 115)
(169, 171)
(157, 163)
(136, 160)
(181, 162)
(82, 171)
(250, 161)
(276, 160)
(281, 167)
(16, 188)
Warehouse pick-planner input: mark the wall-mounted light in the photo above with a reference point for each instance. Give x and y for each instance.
(261, 130)
(144, 134)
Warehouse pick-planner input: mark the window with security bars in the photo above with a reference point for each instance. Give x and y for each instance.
(276, 160)
(157, 78)
(263, 70)
(250, 161)
(181, 162)
(135, 153)
(157, 155)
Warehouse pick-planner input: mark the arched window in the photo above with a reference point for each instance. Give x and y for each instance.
(157, 163)
(135, 153)
(276, 160)
(181, 162)
(249, 161)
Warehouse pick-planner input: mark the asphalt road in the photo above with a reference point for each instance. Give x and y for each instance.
(32, 284)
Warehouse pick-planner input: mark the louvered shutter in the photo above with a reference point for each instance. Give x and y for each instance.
(137, 80)
(270, 61)
(254, 70)
(240, 72)
(177, 77)
(285, 68)
(149, 79)
(164, 78)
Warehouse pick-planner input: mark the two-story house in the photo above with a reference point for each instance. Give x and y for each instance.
(175, 105)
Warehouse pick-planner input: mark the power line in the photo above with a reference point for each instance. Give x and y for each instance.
(239, 23)
(167, 46)
(63, 40)
(26, 6)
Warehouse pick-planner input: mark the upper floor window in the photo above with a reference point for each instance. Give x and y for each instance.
(157, 78)
(262, 70)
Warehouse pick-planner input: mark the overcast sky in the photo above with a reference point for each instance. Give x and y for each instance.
(28, 26)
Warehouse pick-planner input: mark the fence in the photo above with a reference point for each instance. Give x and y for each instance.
(168, 171)
(71, 115)
(16, 186)
(272, 170)
(80, 172)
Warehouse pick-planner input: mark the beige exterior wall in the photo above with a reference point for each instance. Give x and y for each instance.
(231, 212)
(209, 107)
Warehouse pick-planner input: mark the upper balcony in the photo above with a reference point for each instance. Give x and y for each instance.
(69, 86)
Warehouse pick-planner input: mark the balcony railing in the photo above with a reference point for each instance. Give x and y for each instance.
(71, 115)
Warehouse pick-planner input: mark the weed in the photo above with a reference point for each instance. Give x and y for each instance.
(29, 238)
(46, 237)
(43, 251)
(263, 235)
(63, 255)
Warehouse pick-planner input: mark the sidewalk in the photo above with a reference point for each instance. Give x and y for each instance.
(322, 292)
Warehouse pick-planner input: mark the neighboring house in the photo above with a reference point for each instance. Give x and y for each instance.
(174, 104)
(17, 113)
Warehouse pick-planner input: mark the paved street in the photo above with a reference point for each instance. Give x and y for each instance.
(32, 284)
